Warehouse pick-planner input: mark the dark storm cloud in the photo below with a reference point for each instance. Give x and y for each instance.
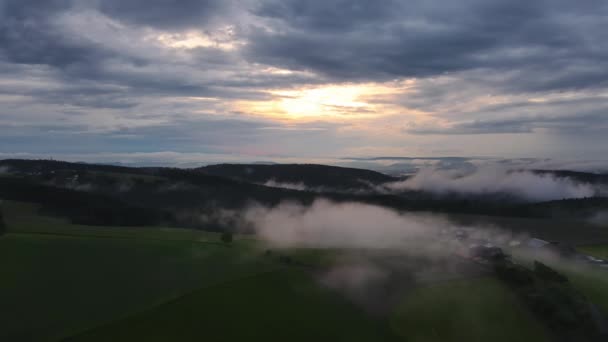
(22, 9)
(590, 122)
(338, 15)
(205, 134)
(560, 41)
(27, 36)
(165, 13)
(383, 40)
(102, 68)
(548, 45)
(30, 42)
(31, 33)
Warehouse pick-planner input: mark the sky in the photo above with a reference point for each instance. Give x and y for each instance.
(290, 80)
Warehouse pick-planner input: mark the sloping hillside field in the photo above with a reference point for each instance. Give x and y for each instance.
(61, 282)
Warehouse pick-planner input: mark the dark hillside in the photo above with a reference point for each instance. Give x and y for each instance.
(310, 175)
(2, 224)
(79, 206)
(31, 166)
(581, 177)
(567, 208)
(94, 194)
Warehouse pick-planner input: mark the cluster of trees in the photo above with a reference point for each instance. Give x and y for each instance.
(311, 175)
(178, 197)
(553, 299)
(45, 165)
(2, 224)
(81, 207)
(226, 237)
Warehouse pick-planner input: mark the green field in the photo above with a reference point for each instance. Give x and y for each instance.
(571, 231)
(60, 281)
(471, 310)
(598, 251)
(278, 306)
(57, 279)
(23, 218)
(593, 282)
(56, 286)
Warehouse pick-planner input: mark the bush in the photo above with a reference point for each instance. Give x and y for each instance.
(226, 237)
(513, 274)
(551, 297)
(2, 224)
(286, 259)
(547, 273)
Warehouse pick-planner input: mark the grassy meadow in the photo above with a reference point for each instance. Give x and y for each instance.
(277, 306)
(593, 284)
(598, 251)
(57, 279)
(64, 282)
(480, 309)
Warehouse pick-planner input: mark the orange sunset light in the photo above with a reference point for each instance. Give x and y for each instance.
(344, 101)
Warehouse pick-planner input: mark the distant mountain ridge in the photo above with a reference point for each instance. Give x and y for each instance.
(578, 176)
(118, 195)
(309, 175)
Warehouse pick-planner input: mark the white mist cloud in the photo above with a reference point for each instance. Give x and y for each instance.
(492, 179)
(346, 225)
(355, 277)
(362, 281)
(291, 186)
(85, 187)
(600, 218)
(594, 166)
(365, 188)
(377, 251)
(325, 224)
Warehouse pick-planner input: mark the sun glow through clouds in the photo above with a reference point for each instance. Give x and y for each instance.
(345, 101)
(321, 101)
(223, 40)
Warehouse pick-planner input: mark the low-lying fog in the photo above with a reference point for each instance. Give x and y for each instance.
(326, 224)
(491, 179)
(379, 252)
(485, 179)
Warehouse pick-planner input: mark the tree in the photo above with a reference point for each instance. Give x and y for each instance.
(2, 224)
(547, 273)
(226, 237)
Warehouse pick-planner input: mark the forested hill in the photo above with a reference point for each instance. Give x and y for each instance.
(581, 177)
(118, 195)
(30, 166)
(308, 175)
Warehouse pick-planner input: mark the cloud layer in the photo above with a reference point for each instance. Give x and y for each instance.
(307, 79)
(355, 226)
(351, 225)
(496, 180)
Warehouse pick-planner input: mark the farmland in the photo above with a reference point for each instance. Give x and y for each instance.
(265, 307)
(479, 309)
(61, 281)
(593, 284)
(599, 251)
(54, 284)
